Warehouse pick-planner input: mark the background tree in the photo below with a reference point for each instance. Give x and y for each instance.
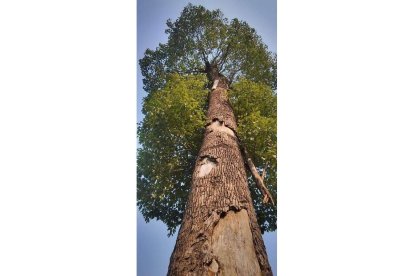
(202, 41)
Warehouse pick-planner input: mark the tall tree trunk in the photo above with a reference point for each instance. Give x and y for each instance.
(219, 234)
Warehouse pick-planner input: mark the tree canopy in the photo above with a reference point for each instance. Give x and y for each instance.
(171, 133)
(200, 37)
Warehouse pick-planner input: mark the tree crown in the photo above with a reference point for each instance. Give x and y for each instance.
(200, 39)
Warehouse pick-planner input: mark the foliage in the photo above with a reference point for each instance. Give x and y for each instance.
(170, 137)
(171, 133)
(200, 36)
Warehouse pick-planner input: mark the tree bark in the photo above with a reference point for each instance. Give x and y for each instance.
(219, 234)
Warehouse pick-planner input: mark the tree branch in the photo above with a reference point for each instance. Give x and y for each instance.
(205, 59)
(233, 74)
(223, 58)
(201, 48)
(188, 71)
(258, 179)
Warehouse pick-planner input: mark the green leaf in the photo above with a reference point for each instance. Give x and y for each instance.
(200, 36)
(170, 136)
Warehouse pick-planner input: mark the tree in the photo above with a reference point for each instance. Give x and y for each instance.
(210, 117)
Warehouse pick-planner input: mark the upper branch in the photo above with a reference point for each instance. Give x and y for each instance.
(194, 71)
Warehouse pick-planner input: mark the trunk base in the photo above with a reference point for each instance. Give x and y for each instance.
(232, 245)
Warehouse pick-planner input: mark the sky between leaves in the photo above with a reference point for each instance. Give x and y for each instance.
(153, 246)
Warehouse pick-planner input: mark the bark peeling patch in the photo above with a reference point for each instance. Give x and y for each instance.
(213, 268)
(216, 125)
(207, 164)
(216, 82)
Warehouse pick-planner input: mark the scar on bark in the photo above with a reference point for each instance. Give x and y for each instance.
(259, 179)
(207, 164)
(217, 125)
(216, 82)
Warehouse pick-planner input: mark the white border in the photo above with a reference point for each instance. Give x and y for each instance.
(345, 134)
(68, 128)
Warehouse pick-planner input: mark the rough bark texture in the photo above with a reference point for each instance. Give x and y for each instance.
(219, 234)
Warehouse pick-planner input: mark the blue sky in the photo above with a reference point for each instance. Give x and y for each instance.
(153, 246)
